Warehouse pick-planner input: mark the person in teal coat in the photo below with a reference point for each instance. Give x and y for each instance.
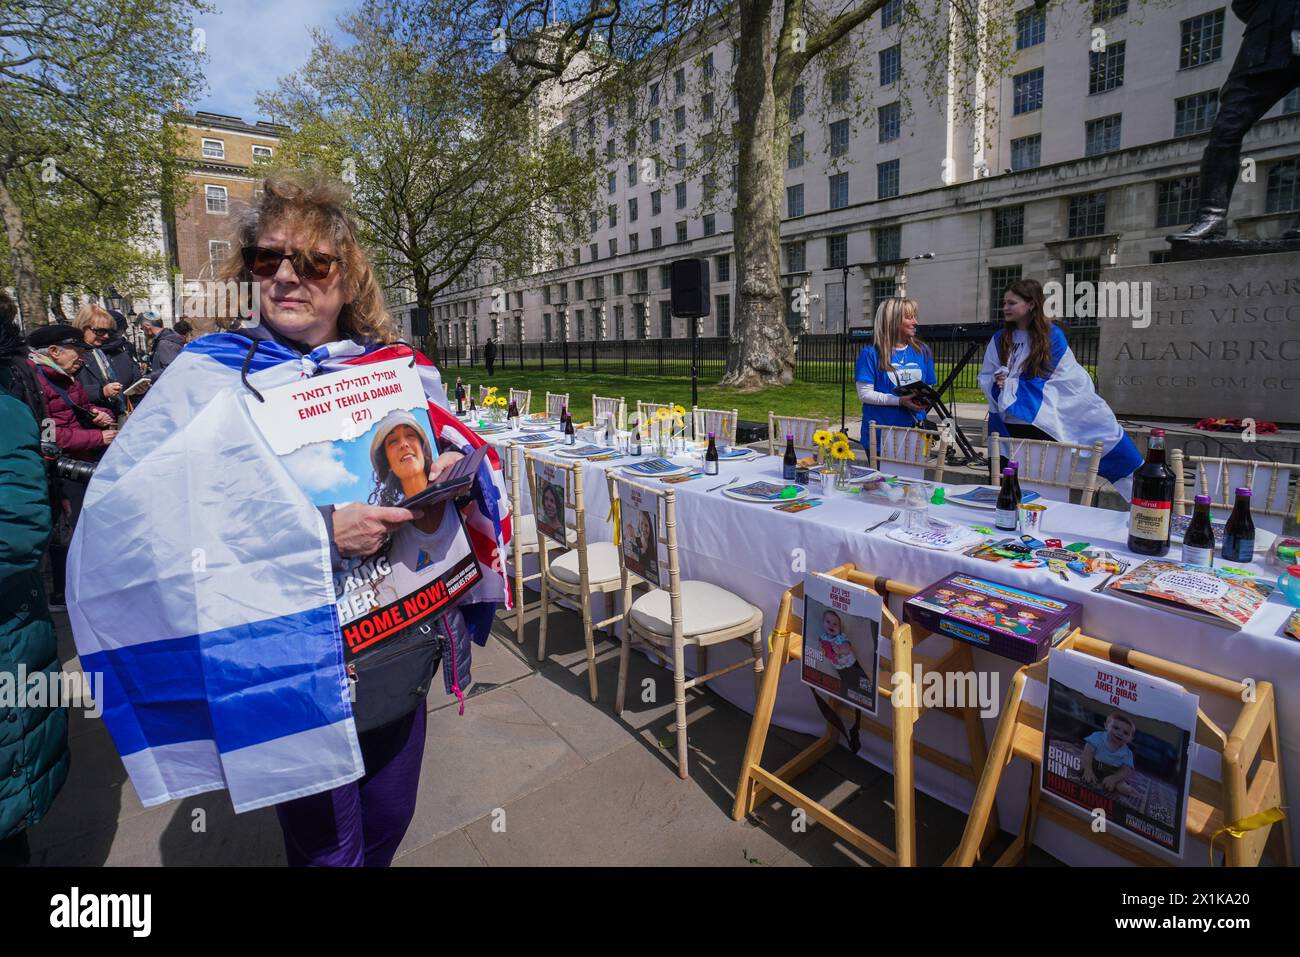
(33, 740)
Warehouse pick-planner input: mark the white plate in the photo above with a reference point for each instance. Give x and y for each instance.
(539, 426)
(731, 493)
(675, 470)
(574, 454)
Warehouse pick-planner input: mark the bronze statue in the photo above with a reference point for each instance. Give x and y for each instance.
(1267, 68)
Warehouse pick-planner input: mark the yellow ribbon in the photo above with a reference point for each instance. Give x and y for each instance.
(1253, 822)
(613, 516)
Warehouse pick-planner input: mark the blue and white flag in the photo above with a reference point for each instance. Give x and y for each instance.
(1065, 405)
(200, 586)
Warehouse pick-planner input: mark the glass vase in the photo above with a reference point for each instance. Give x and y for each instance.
(844, 474)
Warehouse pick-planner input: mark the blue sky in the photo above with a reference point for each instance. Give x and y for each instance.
(250, 45)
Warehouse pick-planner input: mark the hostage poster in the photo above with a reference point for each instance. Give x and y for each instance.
(841, 640)
(363, 435)
(1118, 741)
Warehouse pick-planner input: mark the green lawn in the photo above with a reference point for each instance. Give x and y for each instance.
(802, 398)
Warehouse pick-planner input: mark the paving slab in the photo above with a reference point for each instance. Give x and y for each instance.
(454, 850)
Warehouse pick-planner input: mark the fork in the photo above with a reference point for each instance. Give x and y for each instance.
(724, 484)
(884, 521)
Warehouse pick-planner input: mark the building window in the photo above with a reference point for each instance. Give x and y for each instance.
(611, 182)
(546, 294)
(722, 306)
(706, 105)
(1195, 113)
(631, 174)
(838, 85)
(681, 195)
(1025, 152)
(218, 252)
(665, 276)
(618, 322)
(887, 179)
(796, 257)
(837, 251)
(642, 277)
(1009, 226)
(679, 153)
(1101, 135)
(681, 230)
(679, 82)
(214, 149)
(889, 243)
(654, 130)
(546, 326)
(796, 101)
(1283, 195)
(710, 224)
(1177, 200)
(794, 200)
(1158, 257)
(595, 252)
(1103, 10)
(633, 242)
(890, 60)
(839, 190)
(794, 152)
(656, 202)
(262, 152)
(1087, 215)
(1202, 40)
(679, 119)
(216, 199)
(581, 317)
(1031, 27)
(593, 221)
(890, 12)
(999, 278)
(654, 94)
(707, 67)
(889, 122)
(609, 149)
(578, 290)
(1027, 93)
(723, 267)
(1106, 69)
(613, 246)
(666, 319)
(631, 210)
(1292, 102)
(839, 137)
(613, 215)
(656, 237)
(618, 284)
(1083, 270)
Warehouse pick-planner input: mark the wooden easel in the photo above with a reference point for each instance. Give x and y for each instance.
(1251, 777)
(757, 783)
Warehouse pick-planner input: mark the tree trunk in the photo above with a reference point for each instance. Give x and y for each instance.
(761, 351)
(30, 300)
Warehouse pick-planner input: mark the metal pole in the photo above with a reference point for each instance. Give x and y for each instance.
(844, 335)
(695, 390)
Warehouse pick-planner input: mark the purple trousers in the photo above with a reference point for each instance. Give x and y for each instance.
(362, 823)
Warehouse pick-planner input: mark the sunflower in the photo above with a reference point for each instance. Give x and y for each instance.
(678, 411)
(491, 390)
(663, 413)
(822, 439)
(841, 437)
(841, 450)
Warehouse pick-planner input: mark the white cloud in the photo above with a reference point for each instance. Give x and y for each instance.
(251, 45)
(318, 467)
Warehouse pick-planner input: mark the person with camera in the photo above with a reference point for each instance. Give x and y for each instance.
(74, 431)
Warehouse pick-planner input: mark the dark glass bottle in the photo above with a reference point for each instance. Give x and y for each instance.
(570, 437)
(1015, 480)
(1198, 540)
(1152, 501)
(711, 457)
(460, 398)
(1008, 502)
(636, 437)
(513, 413)
(790, 464)
(1239, 531)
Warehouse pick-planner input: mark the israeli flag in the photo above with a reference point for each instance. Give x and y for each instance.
(200, 588)
(1065, 405)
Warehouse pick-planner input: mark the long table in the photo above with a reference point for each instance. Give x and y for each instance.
(758, 552)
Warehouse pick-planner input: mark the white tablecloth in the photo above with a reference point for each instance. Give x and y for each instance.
(758, 552)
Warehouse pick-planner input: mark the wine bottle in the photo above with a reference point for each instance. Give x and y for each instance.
(711, 457)
(513, 414)
(790, 464)
(636, 438)
(460, 398)
(1198, 540)
(1008, 504)
(1015, 480)
(1152, 501)
(570, 437)
(1239, 532)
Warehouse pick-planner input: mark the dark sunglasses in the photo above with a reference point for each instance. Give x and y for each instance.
(265, 263)
(102, 332)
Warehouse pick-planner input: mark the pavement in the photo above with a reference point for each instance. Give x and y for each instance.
(533, 774)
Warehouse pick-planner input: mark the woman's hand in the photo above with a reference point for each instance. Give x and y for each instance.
(912, 404)
(363, 529)
(102, 419)
(1001, 380)
(112, 390)
(108, 435)
(442, 464)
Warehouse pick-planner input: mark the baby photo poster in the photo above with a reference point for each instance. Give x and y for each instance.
(841, 640)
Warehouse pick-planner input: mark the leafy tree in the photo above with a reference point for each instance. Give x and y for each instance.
(86, 161)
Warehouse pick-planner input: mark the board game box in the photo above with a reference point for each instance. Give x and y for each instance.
(1011, 622)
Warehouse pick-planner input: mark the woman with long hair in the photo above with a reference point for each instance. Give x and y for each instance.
(1036, 389)
(895, 358)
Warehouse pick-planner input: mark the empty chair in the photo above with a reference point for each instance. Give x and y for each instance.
(673, 614)
(556, 403)
(483, 392)
(721, 422)
(586, 569)
(1275, 486)
(646, 411)
(523, 400)
(1052, 469)
(912, 453)
(602, 405)
(779, 426)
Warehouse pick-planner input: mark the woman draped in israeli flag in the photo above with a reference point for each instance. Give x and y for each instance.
(1036, 389)
(202, 579)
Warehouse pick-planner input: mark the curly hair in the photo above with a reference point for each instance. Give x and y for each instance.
(317, 206)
